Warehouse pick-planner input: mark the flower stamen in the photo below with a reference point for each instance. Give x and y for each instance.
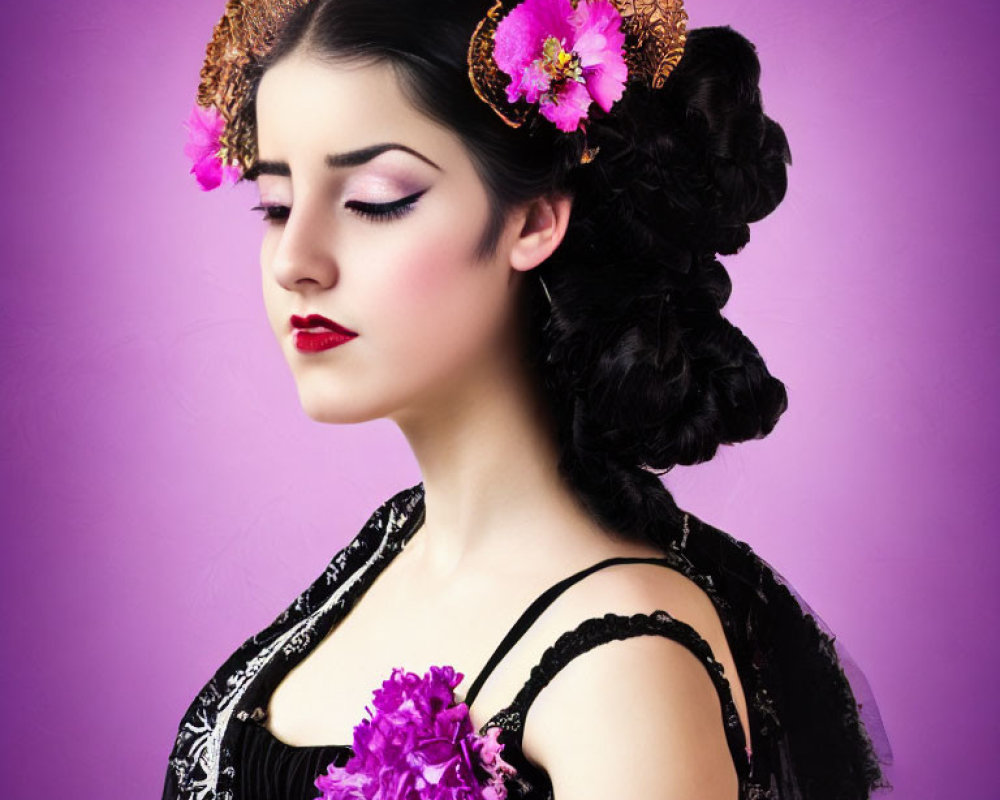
(560, 64)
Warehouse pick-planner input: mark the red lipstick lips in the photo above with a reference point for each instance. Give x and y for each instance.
(315, 332)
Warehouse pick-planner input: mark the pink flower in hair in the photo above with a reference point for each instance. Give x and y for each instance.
(210, 164)
(419, 745)
(562, 58)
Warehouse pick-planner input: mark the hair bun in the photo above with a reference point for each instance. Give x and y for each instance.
(648, 371)
(745, 151)
(699, 158)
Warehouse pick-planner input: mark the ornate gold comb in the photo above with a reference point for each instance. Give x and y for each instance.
(655, 34)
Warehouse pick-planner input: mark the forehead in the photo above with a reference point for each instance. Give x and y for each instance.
(304, 103)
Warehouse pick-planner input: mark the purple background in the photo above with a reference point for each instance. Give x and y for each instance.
(164, 495)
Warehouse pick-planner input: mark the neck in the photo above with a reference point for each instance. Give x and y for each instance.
(488, 457)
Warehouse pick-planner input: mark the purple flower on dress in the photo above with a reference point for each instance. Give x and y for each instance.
(210, 165)
(562, 58)
(419, 745)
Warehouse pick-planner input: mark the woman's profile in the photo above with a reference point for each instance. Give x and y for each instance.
(497, 225)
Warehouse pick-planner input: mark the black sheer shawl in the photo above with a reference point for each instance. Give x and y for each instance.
(815, 725)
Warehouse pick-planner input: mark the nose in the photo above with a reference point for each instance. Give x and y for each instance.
(302, 255)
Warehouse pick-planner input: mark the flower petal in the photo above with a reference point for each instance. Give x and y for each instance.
(231, 173)
(607, 85)
(597, 25)
(419, 743)
(205, 126)
(518, 38)
(570, 106)
(599, 43)
(208, 171)
(534, 83)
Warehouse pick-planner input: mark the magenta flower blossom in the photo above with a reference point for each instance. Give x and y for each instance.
(210, 164)
(562, 58)
(419, 745)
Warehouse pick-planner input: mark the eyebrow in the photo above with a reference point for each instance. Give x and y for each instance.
(352, 158)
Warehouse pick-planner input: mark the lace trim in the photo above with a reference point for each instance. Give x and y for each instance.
(200, 766)
(599, 630)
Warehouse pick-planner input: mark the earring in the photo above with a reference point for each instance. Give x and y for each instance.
(545, 289)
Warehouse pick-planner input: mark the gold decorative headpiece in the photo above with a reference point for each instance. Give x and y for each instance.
(651, 35)
(655, 32)
(242, 37)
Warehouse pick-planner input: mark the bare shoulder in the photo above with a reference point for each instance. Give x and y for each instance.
(643, 588)
(611, 725)
(660, 730)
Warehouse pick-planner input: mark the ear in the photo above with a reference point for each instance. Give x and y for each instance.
(542, 225)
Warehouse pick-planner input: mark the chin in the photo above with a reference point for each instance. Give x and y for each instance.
(335, 410)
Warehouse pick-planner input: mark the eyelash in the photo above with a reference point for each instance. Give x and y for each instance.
(377, 212)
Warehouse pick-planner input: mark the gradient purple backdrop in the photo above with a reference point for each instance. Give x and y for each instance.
(164, 495)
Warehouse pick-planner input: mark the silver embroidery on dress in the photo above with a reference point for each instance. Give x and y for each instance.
(197, 763)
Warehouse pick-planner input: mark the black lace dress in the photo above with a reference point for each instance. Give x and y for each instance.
(808, 736)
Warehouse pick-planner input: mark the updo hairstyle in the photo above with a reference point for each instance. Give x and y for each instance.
(637, 365)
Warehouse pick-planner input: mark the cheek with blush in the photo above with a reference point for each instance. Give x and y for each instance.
(444, 303)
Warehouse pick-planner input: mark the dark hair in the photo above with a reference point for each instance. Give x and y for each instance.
(638, 366)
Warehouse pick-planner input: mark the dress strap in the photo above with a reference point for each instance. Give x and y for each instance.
(596, 631)
(542, 602)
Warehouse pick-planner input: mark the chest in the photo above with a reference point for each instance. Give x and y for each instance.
(322, 698)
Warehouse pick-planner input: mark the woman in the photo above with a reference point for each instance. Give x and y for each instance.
(498, 227)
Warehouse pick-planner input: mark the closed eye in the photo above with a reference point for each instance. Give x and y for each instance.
(381, 212)
(273, 212)
(378, 212)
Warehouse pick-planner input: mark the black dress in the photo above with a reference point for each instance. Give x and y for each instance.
(808, 737)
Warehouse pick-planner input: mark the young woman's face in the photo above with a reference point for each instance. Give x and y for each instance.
(383, 245)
